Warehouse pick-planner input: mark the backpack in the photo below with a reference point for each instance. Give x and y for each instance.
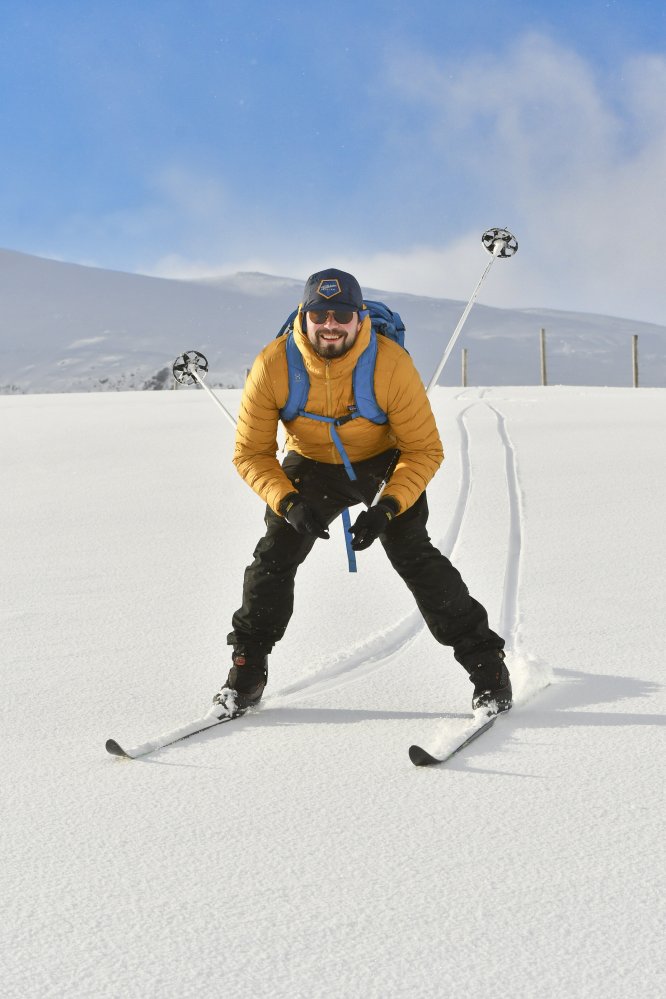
(385, 323)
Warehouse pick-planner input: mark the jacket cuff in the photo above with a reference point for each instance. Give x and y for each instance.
(286, 503)
(391, 503)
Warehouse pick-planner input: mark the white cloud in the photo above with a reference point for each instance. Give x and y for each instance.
(532, 138)
(577, 169)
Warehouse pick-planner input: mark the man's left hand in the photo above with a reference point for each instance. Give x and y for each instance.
(373, 522)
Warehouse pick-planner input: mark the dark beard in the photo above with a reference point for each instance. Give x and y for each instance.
(331, 350)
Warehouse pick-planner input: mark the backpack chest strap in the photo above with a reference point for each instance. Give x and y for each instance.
(349, 468)
(334, 422)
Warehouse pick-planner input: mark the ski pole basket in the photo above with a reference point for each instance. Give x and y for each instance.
(500, 242)
(190, 367)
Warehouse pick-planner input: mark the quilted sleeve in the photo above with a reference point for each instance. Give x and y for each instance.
(256, 444)
(413, 424)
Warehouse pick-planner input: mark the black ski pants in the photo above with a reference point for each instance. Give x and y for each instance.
(452, 615)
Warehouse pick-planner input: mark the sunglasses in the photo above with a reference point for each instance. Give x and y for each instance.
(339, 315)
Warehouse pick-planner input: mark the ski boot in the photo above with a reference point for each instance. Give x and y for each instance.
(243, 687)
(492, 686)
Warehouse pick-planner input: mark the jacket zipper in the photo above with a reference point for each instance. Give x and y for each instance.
(329, 404)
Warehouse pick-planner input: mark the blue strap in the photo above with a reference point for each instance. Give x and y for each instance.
(336, 440)
(299, 382)
(363, 384)
(349, 468)
(351, 554)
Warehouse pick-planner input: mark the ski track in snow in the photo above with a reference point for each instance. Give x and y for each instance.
(510, 612)
(380, 650)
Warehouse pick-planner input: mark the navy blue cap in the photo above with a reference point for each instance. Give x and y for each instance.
(332, 289)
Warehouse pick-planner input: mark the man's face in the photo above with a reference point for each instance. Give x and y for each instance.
(329, 336)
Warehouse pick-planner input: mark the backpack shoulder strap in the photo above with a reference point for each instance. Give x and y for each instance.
(363, 382)
(299, 382)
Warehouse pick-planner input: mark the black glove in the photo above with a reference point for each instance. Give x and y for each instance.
(373, 522)
(298, 512)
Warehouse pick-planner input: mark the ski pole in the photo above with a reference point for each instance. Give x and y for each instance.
(499, 243)
(387, 475)
(191, 367)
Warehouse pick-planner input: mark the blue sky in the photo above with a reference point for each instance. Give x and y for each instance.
(188, 138)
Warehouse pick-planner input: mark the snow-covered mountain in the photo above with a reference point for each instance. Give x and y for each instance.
(65, 327)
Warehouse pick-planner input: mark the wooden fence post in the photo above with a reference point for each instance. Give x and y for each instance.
(634, 358)
(544, 377)
(464, 367)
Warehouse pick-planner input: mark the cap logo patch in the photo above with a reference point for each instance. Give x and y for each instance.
(329, 288)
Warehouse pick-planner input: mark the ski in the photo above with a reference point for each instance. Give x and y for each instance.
(168, 738)
(420, 757)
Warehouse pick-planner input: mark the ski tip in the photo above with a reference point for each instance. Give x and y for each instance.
(420, 757)
(116, 750)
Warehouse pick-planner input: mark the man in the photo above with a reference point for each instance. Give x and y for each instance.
(313, 486)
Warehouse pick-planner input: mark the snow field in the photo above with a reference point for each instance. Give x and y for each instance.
(297, 852)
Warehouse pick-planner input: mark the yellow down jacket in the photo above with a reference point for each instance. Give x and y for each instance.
(399, 391)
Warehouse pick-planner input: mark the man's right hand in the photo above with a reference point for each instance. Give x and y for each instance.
(301, 516)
